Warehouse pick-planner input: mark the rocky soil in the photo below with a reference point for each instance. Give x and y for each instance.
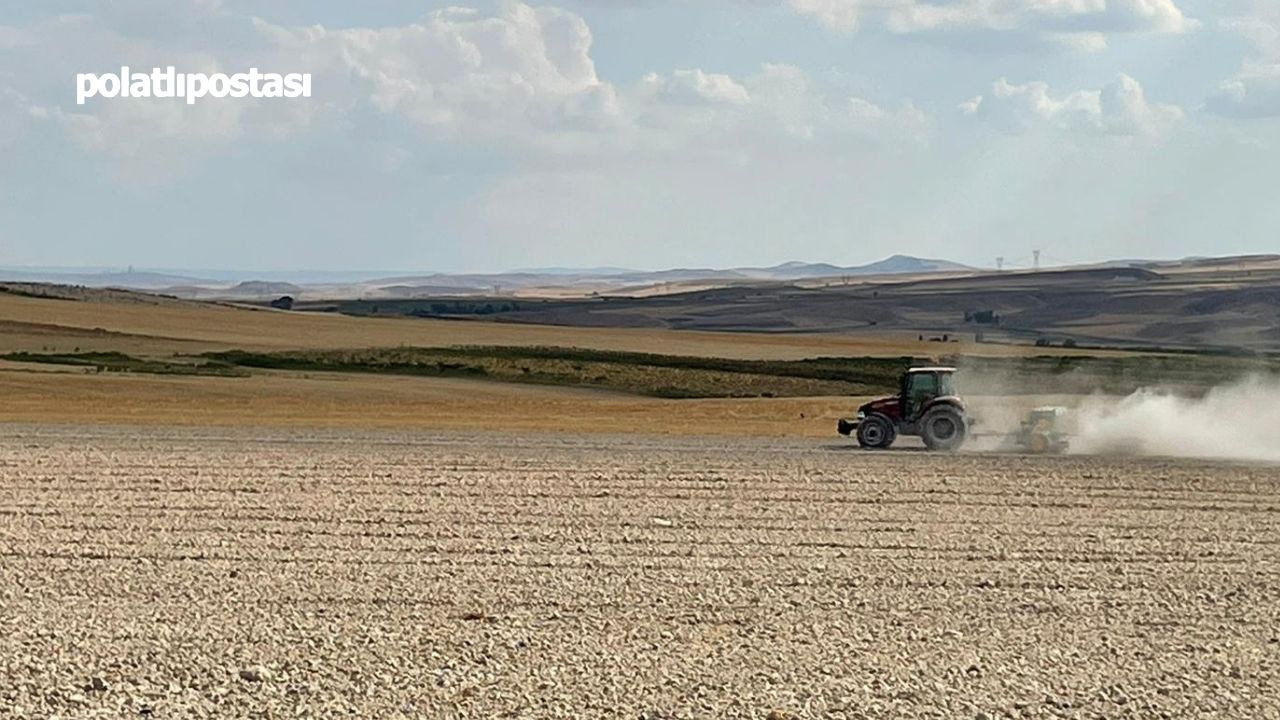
(221, 574)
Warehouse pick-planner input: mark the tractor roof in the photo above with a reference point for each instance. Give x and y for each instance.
(932, 370)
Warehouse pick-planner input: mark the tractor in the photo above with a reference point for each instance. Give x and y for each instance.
(926, 406)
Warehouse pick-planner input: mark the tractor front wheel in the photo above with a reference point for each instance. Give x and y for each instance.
(876, 433)
(943, 428)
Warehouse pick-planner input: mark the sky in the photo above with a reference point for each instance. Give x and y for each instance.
(493, 135)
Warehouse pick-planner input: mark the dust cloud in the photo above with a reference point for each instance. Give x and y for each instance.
(1239, 421)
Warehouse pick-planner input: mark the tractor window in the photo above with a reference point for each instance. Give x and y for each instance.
(921, 388)
(946, 385)
(924, 384)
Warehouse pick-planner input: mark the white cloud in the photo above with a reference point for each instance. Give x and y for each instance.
(518, 81)
(460, 74)
(498, 137)
(1254, 92)
(526, 77)
(777, 104)
(150, 136)
(793, 103)
(1119, 108)
(696, 86)
(153, 131)
(1080, 24)
(837, 15)
(510, 77)
(770, 154)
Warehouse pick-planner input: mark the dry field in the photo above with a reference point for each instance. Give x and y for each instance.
(190, 327)
(144, 326)
(335, 400)
(164, 327)
(222, 573)
(147, 327)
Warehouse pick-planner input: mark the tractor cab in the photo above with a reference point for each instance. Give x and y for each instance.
(920, 386)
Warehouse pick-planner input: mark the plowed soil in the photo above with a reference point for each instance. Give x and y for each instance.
(220, 573)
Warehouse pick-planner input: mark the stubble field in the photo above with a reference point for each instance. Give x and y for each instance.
(223, 573)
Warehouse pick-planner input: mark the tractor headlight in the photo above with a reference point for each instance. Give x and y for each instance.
(862, 415)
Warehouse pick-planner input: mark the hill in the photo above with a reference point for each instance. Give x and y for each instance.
(1195, 304)
(1191, 306)
(546, 282)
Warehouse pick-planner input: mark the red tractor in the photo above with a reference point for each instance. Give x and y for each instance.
(926, 406)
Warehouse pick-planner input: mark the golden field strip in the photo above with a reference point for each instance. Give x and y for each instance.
(332, 400)
(234, 573)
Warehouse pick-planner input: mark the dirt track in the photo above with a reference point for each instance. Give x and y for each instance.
(221, 574)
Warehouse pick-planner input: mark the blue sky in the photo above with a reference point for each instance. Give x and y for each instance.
(649, 133)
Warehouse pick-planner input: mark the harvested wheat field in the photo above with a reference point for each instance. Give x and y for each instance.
(222, 573)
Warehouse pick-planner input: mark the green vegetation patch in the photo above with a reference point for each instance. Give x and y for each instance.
(668, 376)
(119, 362)
(34, 290)
(423, 308)
(674, 376)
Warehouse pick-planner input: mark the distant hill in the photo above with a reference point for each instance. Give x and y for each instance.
(903, 264)
(596, 271)
(128, 280)
(229, 285)
(616, 278)
(1219, 306)
(1194, 303)
(554, 282)
(895, 265)
(798, 270)
(679, 275)
(265, 287)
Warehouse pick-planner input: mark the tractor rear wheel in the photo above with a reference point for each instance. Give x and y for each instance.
(943, 428)
(876, 433)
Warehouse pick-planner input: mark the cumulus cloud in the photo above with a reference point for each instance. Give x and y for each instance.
(520, 79)
(462, 74)
(526, 76)
(1081, 24)
(152, 132)
(1119, 108)
(1254, 92)
(696, 86)
(457, 75)
(155, 134)
(707, 161)
(793, 104)
(775, 104)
